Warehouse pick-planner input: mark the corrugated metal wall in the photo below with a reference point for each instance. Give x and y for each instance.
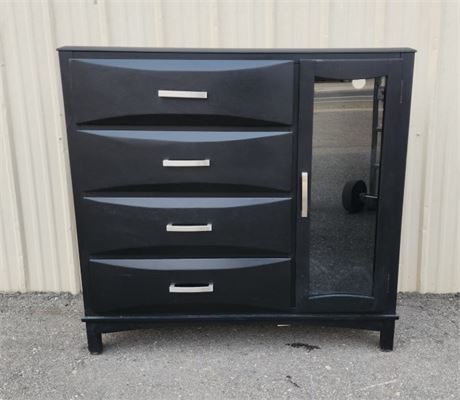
(37, 229)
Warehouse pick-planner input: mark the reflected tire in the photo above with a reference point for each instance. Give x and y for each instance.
(351, 196)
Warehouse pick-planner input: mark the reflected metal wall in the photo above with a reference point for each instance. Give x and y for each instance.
(37, 227)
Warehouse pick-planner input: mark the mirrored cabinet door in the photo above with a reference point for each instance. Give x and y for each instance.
(349, 145)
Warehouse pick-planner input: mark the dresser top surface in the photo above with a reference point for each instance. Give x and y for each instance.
(239, 50)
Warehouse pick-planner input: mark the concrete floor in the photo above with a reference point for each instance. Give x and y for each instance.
(43, 356)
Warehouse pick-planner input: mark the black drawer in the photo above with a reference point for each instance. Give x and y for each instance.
(155, 225)
(227, 160)
(119, 91)
(141, 284)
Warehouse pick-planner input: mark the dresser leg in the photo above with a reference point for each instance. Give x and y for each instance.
(387, 335)
(94, 339)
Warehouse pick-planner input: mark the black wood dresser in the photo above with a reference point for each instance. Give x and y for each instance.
(237, 185)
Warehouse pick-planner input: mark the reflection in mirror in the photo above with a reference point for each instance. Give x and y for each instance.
(358, 83)
(347, 129)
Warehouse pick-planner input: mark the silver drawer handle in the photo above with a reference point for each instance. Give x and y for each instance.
(188, 228)
(187, 163)
(304, 211)
(182, 94)
(173, 288)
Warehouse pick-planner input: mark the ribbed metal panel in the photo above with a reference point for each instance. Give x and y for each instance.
(37, 229)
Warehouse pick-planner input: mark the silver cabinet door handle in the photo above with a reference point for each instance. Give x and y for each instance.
(188, 228)
(182, 94)
(304, 211)
(174, 288)
(187, 163)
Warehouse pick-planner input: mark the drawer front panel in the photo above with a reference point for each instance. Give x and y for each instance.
(110, 159)
(164, 91)
(124, 285)
(129, 225)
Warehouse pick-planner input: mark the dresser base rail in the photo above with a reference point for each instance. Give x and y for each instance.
(97, 325)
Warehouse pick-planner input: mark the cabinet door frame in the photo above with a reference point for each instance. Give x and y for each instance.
(391, 184)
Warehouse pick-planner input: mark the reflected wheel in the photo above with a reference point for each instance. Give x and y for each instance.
(351, 196)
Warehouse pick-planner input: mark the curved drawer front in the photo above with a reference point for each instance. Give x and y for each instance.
(163, 91)
(180, 225)
(225, 160)
(141, 284)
